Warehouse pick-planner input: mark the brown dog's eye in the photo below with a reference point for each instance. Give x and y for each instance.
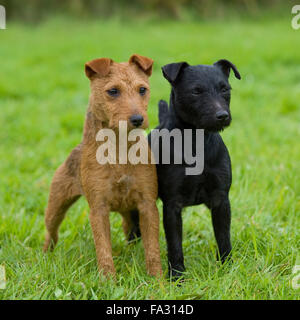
(143, 91)
(114, 92)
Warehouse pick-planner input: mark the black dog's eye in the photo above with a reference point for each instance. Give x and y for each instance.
(225, 89)
(143, 91)
(114, 92)
(197, 91)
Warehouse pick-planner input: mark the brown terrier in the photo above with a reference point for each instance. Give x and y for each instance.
(119, 92)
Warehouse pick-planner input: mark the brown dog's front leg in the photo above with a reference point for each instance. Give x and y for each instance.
(101, 230)
(149, 224)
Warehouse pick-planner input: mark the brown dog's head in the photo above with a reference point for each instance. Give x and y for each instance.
(120, 91)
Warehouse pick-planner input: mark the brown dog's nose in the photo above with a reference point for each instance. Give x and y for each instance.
(136, 120)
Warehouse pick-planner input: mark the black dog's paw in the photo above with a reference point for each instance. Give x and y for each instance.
(177, 274)
(225, 257)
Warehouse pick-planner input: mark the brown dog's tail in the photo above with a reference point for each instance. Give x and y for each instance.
(163, 111)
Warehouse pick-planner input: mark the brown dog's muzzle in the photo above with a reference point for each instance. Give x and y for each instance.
(136, 120)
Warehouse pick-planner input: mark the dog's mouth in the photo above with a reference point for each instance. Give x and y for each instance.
(144, 126)
(219, 126)
(212, 123)
(127, 125)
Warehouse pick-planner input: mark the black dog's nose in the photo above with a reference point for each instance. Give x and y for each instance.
(136, 120)
(222, 115)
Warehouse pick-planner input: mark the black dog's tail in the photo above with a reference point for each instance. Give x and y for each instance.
(163, 110)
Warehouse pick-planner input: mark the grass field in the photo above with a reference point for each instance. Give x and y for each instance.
(43, 98)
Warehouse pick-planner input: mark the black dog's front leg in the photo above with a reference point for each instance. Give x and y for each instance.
(135, 232)
(173, 229)
(221, 218)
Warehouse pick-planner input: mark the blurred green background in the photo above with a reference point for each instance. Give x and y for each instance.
(43, 98)
(36, 10)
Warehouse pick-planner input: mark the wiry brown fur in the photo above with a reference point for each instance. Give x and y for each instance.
(109, 187)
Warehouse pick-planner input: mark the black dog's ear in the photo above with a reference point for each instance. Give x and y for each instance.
(225, 66)
(171, 71)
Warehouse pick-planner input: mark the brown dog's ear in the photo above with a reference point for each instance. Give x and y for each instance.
(225, 66)
(171, 71)
(98, 66)
(142, 62)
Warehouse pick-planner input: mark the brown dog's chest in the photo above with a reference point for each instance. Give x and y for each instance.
(124, 190)
(124, 184)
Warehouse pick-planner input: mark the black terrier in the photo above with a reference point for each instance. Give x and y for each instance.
(200, 99)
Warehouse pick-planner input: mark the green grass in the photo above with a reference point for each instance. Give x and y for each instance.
(43, 98)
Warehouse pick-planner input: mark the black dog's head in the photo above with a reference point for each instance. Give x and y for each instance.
(201, 94)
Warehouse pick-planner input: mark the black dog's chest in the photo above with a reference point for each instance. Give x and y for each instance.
(193, 190)
(175, 185)
(189, 190)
